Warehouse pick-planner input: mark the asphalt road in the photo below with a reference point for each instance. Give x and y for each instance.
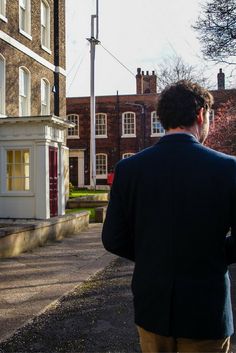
(95, 317)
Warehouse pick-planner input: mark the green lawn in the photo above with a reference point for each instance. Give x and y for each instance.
(90, 210)
(84, 192)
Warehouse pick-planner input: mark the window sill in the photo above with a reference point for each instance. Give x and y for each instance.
(101, 137)
(3, 18)
(72, 137)
(27, 35)
(46, 49)
(102, 176)
(15, 193)
(128, 136)
(158, 134)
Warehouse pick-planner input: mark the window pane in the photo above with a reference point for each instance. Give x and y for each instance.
(18, 170)
(18, 184)
(101, 128)
(9, 184)
(45, 98)
(45, 25)
(9, 156)
(101, 165)
(129, 124)
(127, 155)
(23, 82)
(26, 171)
(43, 14)
(73, 131)
(25, 156)
(18, 157)
(24, 85)
(156, 125)
(3, 7)
(23, 19)
(10, 170)
(27, 184)
(23, 3)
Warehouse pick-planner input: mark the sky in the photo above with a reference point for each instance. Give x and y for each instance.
(133, 33)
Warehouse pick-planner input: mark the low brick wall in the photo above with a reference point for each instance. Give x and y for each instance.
(17, 236)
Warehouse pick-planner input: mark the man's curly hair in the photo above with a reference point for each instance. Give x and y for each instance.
(179, 104)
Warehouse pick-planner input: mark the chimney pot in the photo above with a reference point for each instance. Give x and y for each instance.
(138, 70)
(147, 73)
(221, 80)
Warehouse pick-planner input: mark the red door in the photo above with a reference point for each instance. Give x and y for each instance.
(53, 180)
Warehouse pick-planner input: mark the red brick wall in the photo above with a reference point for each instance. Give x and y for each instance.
(115, 146)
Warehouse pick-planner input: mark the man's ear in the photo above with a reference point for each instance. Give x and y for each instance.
(200, 116)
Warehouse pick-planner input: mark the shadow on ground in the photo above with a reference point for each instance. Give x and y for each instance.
(95, 317)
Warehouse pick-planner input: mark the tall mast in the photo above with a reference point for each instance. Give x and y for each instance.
(93, 42)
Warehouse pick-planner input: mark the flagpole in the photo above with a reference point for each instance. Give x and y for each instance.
(93, 42)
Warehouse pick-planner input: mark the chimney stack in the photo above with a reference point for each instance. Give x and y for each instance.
(221, 80)
(146, 83)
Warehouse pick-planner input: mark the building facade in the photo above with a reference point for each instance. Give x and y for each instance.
(32, 108)
(125, 124)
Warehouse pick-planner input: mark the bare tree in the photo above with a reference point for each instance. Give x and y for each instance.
(216, 28)
(174, 69)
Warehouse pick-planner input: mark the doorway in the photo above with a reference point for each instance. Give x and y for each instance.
(53, 182)
(73, 163)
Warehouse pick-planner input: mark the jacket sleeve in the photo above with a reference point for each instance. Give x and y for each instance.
(116, 234)
(231, 239)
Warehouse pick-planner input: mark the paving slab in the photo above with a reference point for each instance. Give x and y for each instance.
(33, 280)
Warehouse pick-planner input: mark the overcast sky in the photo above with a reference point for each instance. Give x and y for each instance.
(139, 33)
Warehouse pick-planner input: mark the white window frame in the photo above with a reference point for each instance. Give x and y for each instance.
(71, 132)
(45, 97)
(3, 10)
(26, 95)
(128, 115)
(102, 175)
(127, 155)
(2, 86)
(45, 27)
(29, 176)
(99, 135)
(26, 10)
(162, 130)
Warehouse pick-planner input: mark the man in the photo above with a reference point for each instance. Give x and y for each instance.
(171, 208)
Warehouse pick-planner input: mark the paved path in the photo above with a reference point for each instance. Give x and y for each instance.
(32, 281)
(94, 316)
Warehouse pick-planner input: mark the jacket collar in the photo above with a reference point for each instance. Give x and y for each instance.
(178, 137)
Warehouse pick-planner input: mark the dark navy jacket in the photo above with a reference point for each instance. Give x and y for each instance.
(170, 210)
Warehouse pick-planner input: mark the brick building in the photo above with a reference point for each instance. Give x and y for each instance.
(32, 108)
(125, 124)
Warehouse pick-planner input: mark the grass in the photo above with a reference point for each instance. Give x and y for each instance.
(91, 212)
(85, 192)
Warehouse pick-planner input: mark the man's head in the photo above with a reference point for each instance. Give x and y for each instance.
(184, 105)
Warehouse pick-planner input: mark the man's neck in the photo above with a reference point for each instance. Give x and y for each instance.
(192, 130)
